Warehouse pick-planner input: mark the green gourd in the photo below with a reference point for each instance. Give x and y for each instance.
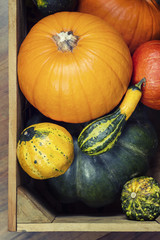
(101, 134)
(140, 199)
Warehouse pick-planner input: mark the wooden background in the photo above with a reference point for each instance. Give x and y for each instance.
(4, 234)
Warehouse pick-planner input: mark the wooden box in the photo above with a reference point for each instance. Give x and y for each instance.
(27, 209)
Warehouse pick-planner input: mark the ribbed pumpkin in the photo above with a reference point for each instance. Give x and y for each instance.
(74, 67)
(45, 150)
(137, 20)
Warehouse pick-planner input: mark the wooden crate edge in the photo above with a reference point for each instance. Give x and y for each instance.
(12, 73)
(31, 208)
(88, 227)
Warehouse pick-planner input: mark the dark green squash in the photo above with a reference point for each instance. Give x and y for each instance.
(140, 199)
(47, 7)
(98, 180)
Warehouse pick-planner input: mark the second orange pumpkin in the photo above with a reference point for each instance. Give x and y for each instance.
(136, 20)
(74, 67)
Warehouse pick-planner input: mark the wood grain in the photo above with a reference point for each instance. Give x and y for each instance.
(4, 124)
(31, 210)
(12, 117)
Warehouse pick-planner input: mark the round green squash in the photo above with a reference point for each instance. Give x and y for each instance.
(98, 180)
(140, 198)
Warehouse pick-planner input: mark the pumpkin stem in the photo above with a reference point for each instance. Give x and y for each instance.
(65, 41)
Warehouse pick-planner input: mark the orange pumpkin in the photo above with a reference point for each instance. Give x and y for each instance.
(74, 67)
(137, 20)
(146, 63)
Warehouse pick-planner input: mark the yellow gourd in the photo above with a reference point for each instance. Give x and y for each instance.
(45, 150)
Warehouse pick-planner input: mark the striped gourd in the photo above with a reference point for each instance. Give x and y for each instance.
(100, 135)
(45, 150)
(140, 198)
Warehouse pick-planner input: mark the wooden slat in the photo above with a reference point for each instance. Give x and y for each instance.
(91, 227)
(158, 219)
(30, 209)
(12, 166)
(92, 224)
(17, 32)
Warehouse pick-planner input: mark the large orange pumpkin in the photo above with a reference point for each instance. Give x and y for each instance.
(74, 67)
(137, 20)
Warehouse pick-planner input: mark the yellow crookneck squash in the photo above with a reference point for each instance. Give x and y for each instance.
(45, 150)
(74, 67)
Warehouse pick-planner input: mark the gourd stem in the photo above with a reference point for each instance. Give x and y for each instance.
(65, 41)
(133, 195)
(139, 84)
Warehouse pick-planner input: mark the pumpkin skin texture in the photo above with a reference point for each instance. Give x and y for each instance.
(146, 62)
(137, 21)
(45, 150)
(140, 199)
(92, 68)
(97, 180)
